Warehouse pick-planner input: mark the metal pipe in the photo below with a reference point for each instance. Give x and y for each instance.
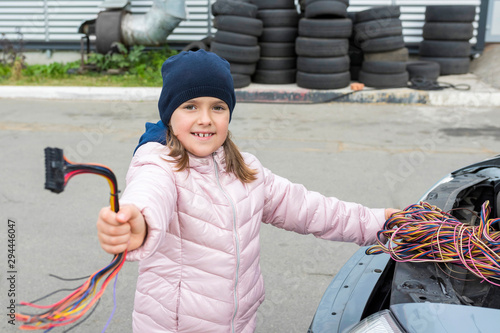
(152, 28)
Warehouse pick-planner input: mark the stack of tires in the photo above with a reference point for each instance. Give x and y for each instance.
(236, 39)
(379, 34)
(323, 44)
(277, 63)
(447, 31)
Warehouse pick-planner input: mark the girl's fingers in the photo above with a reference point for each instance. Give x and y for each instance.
(114, 249)
(114, 240)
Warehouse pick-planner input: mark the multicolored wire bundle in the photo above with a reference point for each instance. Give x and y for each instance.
(71, 308)
(424, 233)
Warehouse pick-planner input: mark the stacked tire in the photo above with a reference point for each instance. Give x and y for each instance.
(446, 32)
(322, 46)
(378, 32)
(236, 39)
(277, 63)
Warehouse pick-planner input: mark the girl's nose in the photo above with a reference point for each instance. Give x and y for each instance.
(205, 117)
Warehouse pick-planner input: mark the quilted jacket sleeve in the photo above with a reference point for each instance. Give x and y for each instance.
(292, 207)
(151, 187)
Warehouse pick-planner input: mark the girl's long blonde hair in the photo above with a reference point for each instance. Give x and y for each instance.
(234, 161)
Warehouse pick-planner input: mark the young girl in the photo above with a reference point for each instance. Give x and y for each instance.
(193, 205)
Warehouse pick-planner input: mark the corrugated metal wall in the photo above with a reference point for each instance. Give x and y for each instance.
(48, 21)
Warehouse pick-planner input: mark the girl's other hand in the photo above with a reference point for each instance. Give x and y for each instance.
(390, 211)
(125, 230)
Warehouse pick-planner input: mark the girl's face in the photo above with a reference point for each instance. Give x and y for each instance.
(200, 124)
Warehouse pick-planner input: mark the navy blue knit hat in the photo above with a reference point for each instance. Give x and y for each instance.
(192, 74)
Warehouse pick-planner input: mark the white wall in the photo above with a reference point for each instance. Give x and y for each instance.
(55, 20)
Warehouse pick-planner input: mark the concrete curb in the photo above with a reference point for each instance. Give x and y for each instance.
(479, 94)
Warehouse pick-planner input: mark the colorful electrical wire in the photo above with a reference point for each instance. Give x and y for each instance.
(424, 233)
(71, 308)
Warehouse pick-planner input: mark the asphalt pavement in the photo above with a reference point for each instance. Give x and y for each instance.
(379, 155)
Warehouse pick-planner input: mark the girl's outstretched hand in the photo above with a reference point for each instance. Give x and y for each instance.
(125, 230)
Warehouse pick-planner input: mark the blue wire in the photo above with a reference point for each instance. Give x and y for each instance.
(114, 305)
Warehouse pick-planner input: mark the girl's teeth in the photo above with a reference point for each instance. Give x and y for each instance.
(202, 135)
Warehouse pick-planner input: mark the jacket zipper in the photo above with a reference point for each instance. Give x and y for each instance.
(236, 239)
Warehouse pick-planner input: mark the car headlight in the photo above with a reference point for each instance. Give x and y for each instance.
(380, 322)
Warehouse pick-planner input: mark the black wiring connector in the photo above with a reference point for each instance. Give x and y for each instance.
(54, 169)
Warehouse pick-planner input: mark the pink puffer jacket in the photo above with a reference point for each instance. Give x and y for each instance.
(199, 266)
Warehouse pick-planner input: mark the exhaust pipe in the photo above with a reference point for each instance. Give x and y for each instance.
(153, 28)
(150, 29)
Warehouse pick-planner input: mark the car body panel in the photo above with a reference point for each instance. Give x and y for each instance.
(339, 308)
(422, 296)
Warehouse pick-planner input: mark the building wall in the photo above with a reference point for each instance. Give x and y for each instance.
(56, 21)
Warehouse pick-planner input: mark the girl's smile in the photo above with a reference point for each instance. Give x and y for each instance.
(201, 125)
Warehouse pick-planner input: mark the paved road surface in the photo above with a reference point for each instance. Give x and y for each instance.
(377, 155)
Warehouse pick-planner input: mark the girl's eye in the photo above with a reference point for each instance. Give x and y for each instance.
(219, 108)
(189, 107)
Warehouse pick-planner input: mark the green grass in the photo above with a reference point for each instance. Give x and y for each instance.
(88, 80)
(138, 69)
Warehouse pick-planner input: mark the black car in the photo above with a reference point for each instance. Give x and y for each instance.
(373, 293)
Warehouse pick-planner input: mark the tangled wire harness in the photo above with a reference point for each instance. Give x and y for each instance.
(73, 307)
(424, 233)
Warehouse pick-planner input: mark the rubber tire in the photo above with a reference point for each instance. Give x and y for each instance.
(384, 67)
(227, 37)
(236, 53)
(377, 29)
(241, 80)
(326, 9)
(321, 47)
(442, 48)
(246, 69)
(278, 17)
(451, 66)
(398, 80)
(277, 63)
(428, 70)
(378, 13)
(401, 54)
(108, 30)
(448, 31)
(383, 44)
(454, 13)
(281, 76)
(195, 46)
(323, 81)
(323, 65)
(239, 24)
(306, 2)
(279, 35)
(325, 28)
(352, 17)
(231, 7)
(274, 4)
(285, 50)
